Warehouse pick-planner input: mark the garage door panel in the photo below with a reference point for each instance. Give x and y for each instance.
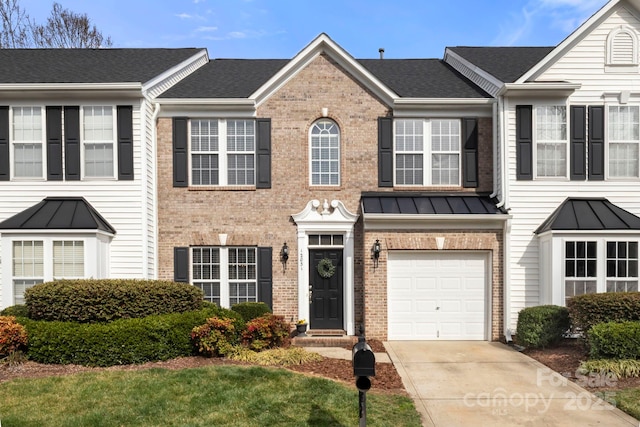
(437, 295)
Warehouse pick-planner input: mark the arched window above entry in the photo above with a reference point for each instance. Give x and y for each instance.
(324, 146)
(622, 47)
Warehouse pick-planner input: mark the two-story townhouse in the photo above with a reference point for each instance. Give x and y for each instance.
(77, 162)
(568, 163)
(340, 191)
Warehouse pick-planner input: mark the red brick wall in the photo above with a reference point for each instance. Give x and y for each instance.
(262, 217)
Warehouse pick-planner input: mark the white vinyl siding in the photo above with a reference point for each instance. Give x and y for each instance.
(325, 153)
(28, 142)
(427, 152)
(550, 138)
(227, 276)
(98, 138)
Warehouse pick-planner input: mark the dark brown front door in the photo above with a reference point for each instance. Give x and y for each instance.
(326, 289)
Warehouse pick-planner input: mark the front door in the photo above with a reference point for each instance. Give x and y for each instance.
(325, 289)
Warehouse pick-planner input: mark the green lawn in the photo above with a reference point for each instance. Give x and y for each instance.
(629, 401)
(211, 396)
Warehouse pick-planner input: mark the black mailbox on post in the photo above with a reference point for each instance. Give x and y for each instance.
(364, 361)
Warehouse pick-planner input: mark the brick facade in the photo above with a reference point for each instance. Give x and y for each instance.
(262, 217)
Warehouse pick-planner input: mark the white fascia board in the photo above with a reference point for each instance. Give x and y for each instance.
(588, 233)
(205, 107)
(477, 70)
(571, 40)
(320, 44)
(400, 102)
(541, 89)
(74, 232)
(417, 221)
(202, 55)
(31, 87)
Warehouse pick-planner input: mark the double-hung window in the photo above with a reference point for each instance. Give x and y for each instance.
(551, 141)
(600, 265)
(427, 152)
(222, 152)
(226, 275)
(624, 141)
(28, 141)
(28, 266)
(98, 141)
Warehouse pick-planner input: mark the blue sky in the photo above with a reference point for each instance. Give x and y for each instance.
(281, 28)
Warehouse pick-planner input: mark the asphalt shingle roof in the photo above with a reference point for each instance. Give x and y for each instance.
(88, 65)
(58, 213)
(239, 78)
(589, 214)
(507, 64)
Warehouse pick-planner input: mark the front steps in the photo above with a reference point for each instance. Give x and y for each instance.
(325, 338)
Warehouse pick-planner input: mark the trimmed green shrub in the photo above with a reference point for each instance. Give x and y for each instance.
(541, 326)
(13, 336)
(591, 309)
(251, 310)
(615, 340)
(90, 301)
(267, 331)
(120, 342)
(276, 356)
(217, 337)
(19, 310)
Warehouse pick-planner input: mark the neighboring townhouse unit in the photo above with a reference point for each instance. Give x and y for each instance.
(568, 165)
(374, 176)
(77, 162)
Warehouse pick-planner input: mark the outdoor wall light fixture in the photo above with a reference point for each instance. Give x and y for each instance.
(284, 254)
(377, 248)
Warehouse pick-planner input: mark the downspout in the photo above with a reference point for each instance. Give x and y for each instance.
(506, 232)
(495, 151)
(154, 186)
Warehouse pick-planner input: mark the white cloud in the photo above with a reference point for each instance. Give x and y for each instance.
(564, 15)
(206, 29)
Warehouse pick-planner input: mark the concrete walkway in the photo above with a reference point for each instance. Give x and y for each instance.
(489, 384)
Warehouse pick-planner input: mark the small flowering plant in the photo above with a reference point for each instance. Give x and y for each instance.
(302, 322)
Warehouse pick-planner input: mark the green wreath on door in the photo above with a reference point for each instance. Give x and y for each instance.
(326, 269)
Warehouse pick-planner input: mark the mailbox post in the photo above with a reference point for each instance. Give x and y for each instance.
(364, 366)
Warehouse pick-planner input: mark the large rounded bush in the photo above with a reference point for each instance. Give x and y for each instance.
(542, 325)
(591, 309)
(615, 340)
(90, 301)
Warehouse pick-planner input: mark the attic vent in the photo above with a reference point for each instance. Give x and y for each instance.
(381, 51)
(622, 45)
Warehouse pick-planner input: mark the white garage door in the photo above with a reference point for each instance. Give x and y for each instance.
(437, 295)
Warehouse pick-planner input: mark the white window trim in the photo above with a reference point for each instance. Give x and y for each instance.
(426, 153)
(608, 141)
(223, 164)
(339, 155)
(114, 116)
(534, 137)
(96, 256)
(224, 271)
(554, 260)
(43, 142)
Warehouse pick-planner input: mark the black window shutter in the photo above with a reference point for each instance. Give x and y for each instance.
(265, 276)
(578, 141)
(181, 264)
(470, 152)
(385, 152)
(5, 173)
(54, 143)
(596, 142)
(263, 153)
(524, 142)
(180, 152)
(72, 143)
(125, 142)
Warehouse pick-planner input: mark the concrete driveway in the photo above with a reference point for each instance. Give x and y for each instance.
(468, 383)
